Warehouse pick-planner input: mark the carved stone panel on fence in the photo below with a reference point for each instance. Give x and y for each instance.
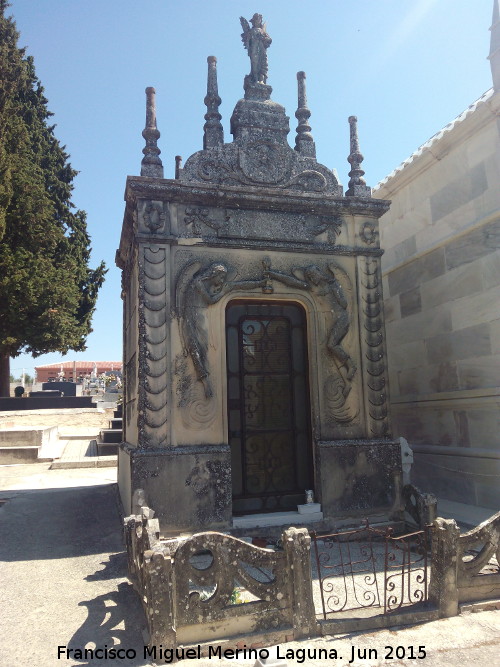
(211, 568)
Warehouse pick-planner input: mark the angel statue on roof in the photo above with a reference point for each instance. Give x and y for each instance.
(256, 41)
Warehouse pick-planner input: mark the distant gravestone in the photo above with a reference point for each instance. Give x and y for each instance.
(67, 388)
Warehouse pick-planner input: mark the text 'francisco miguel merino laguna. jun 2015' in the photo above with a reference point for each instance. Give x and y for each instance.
(299, 655)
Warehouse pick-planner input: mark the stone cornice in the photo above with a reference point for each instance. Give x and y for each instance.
(268, 199)
(260, 244)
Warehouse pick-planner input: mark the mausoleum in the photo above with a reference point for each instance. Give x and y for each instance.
(254, 344)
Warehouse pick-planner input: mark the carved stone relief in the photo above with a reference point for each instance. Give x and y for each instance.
(251, 224)
(373, 345)
(210, 482)
(199, 286)
(197, 413)
(325, 285)
(153, 364)
(369, 233)
(259, 163)
(196, 217)
(153, 215)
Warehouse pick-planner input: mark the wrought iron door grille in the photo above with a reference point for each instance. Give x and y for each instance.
(268, 405)
(370, 568)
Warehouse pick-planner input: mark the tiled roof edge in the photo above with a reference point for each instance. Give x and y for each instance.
(436, 137)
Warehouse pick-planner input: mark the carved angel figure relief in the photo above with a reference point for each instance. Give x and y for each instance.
(198, 288)
(325, 284)
(256, 41)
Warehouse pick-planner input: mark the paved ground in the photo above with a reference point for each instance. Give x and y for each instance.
(62, 569)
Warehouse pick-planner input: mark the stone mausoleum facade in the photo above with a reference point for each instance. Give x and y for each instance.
(254, 344)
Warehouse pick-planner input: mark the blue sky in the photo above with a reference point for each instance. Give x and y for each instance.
(405, 68)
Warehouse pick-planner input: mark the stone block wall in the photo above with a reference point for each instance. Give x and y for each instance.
(441, 275)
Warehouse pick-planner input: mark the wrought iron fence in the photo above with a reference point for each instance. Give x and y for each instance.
(369, 568)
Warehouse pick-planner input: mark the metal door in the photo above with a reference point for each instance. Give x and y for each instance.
(268, 405)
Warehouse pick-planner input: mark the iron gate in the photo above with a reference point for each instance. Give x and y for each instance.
(369, 568)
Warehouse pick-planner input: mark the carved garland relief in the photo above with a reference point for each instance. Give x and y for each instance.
(152, 348)
(373, 346)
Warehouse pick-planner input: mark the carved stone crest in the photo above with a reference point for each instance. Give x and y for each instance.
(153, 216)
(265, 162)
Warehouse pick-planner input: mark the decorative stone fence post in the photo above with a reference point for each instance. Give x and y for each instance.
(297, 547)
(443, 591)
(160, 594)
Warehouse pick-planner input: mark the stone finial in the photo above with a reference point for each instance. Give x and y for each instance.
(151, 164)
(494, 56)
(357, 184)
(213, 133)
(178, 166)
(304, 142)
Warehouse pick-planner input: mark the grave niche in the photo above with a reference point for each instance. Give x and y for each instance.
(254, 343)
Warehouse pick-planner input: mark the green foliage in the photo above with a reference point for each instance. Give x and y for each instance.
(236, 597)
(47, 290)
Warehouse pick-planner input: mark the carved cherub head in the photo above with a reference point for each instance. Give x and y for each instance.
(215, 277)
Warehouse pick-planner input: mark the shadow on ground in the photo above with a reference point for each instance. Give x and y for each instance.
(104, 614)
(70, 540)
(60, 523)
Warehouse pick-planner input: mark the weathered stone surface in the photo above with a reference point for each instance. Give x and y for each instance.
(474, 245)
(490, 269)
(445, 206)
(455, 284)
(417, 272)
(410, 302)
(479, 372)
(463, 344)
(474, 309)
(484, 425)
(360, 477)
(457, 193)
(407, 355)
(427, 323)
(495, 336)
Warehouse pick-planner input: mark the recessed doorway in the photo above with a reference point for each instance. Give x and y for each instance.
(268, 406)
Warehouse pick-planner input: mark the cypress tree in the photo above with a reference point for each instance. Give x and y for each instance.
(48, 291)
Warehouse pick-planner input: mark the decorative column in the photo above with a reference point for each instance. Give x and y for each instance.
(357, 184)
(213, 133)
(151, 164)
(304, 142)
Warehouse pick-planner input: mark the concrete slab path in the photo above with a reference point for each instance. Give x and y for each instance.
(63, 583)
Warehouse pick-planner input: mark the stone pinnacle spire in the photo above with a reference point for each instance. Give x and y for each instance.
(151, 164)
(357, 184)
(213, 133)
(304, 142)
(494, 56)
